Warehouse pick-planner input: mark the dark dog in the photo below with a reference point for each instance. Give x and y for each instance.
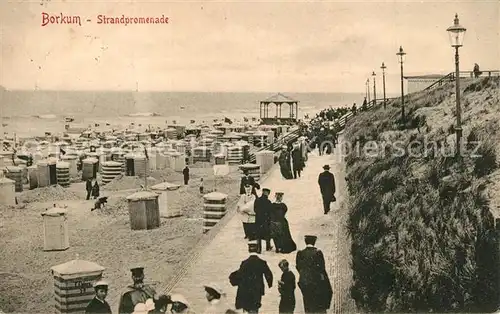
(100, 202)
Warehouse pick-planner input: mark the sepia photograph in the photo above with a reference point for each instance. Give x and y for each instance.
(256, 156)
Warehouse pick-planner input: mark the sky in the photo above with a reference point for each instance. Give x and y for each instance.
(260, 46)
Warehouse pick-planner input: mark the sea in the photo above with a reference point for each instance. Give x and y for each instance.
(32, 113)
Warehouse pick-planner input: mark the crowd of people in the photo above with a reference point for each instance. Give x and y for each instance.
(314, 284)
(292, 160)
(268, 224)
(141, 298)
(264, 221)
(322, 131)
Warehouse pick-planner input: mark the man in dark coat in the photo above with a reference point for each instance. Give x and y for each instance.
(136, 293)
(297, 162)
(262, 208)
(185, 172)
(326, 182)
(88, 187)
(99, 304)
(313, 281)
(248, 180)
(250, 281)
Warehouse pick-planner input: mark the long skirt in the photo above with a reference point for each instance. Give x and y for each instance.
(280, 233)
(286, 172)
(250, 231)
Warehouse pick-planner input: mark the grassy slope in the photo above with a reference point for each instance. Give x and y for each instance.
(422, 228)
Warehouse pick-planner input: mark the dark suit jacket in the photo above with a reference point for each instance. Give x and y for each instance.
(251, 281)
(297, 161)
(134, 296)
(263, 207)
(250, 181)
(326, 181)
(95, 306)
(310, 264)
(88, 185)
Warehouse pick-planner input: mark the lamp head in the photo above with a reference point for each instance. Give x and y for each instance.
(373, 73)
(456, 33)
(383, 67)
(401, 54)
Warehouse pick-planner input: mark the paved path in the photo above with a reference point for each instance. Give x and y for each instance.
(305, 214)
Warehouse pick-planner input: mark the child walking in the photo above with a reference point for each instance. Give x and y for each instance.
(286, 288)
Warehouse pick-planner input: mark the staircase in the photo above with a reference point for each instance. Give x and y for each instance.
(450, 77)
(276, 146)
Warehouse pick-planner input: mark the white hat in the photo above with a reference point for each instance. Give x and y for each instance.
(179, 298)
(100, 283)
(214, 287)
(150, 304)
(140, 308)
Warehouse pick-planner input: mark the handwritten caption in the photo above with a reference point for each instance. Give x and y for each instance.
(51, 19)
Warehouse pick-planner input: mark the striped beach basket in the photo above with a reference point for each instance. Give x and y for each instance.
(73, 285)
(62, 172)
(214, 209)
(234, 155)
(110, 170)
(253, 170)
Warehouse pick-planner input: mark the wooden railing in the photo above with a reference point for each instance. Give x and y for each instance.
(450, 77)
(343, 120)
(284, 140)
(294, 135)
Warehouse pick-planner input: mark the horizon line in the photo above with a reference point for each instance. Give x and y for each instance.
(172, 91)
(183, 91)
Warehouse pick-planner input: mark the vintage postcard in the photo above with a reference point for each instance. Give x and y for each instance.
(249, 156)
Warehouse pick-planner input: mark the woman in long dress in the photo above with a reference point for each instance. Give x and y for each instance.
(280, 229)
(285, 163)
(246, 212)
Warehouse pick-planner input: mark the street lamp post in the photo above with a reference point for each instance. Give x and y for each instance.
(401, 54)
(368, 89)
(457, 32)
(383, 67)
(374, 89)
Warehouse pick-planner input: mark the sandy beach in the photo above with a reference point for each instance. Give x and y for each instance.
(102, 236)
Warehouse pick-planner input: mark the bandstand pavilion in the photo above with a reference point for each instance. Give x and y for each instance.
(278, 100)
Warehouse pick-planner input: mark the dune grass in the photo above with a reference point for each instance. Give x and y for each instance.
(422, 232)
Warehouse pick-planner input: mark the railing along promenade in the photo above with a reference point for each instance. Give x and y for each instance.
(450, 77)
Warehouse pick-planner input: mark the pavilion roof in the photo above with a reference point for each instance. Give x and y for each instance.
(279, 98)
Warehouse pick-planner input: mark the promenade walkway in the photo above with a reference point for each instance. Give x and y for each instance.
(305, 214)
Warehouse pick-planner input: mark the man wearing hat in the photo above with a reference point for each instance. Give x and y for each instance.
(248, 180)
(262, 208)
(250, 280)
(297, 161)
(326, 182)
(136, 293)
(313, 279)
(216, 299)
(99, 304)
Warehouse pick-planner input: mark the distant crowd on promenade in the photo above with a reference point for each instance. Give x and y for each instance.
(322, 130)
